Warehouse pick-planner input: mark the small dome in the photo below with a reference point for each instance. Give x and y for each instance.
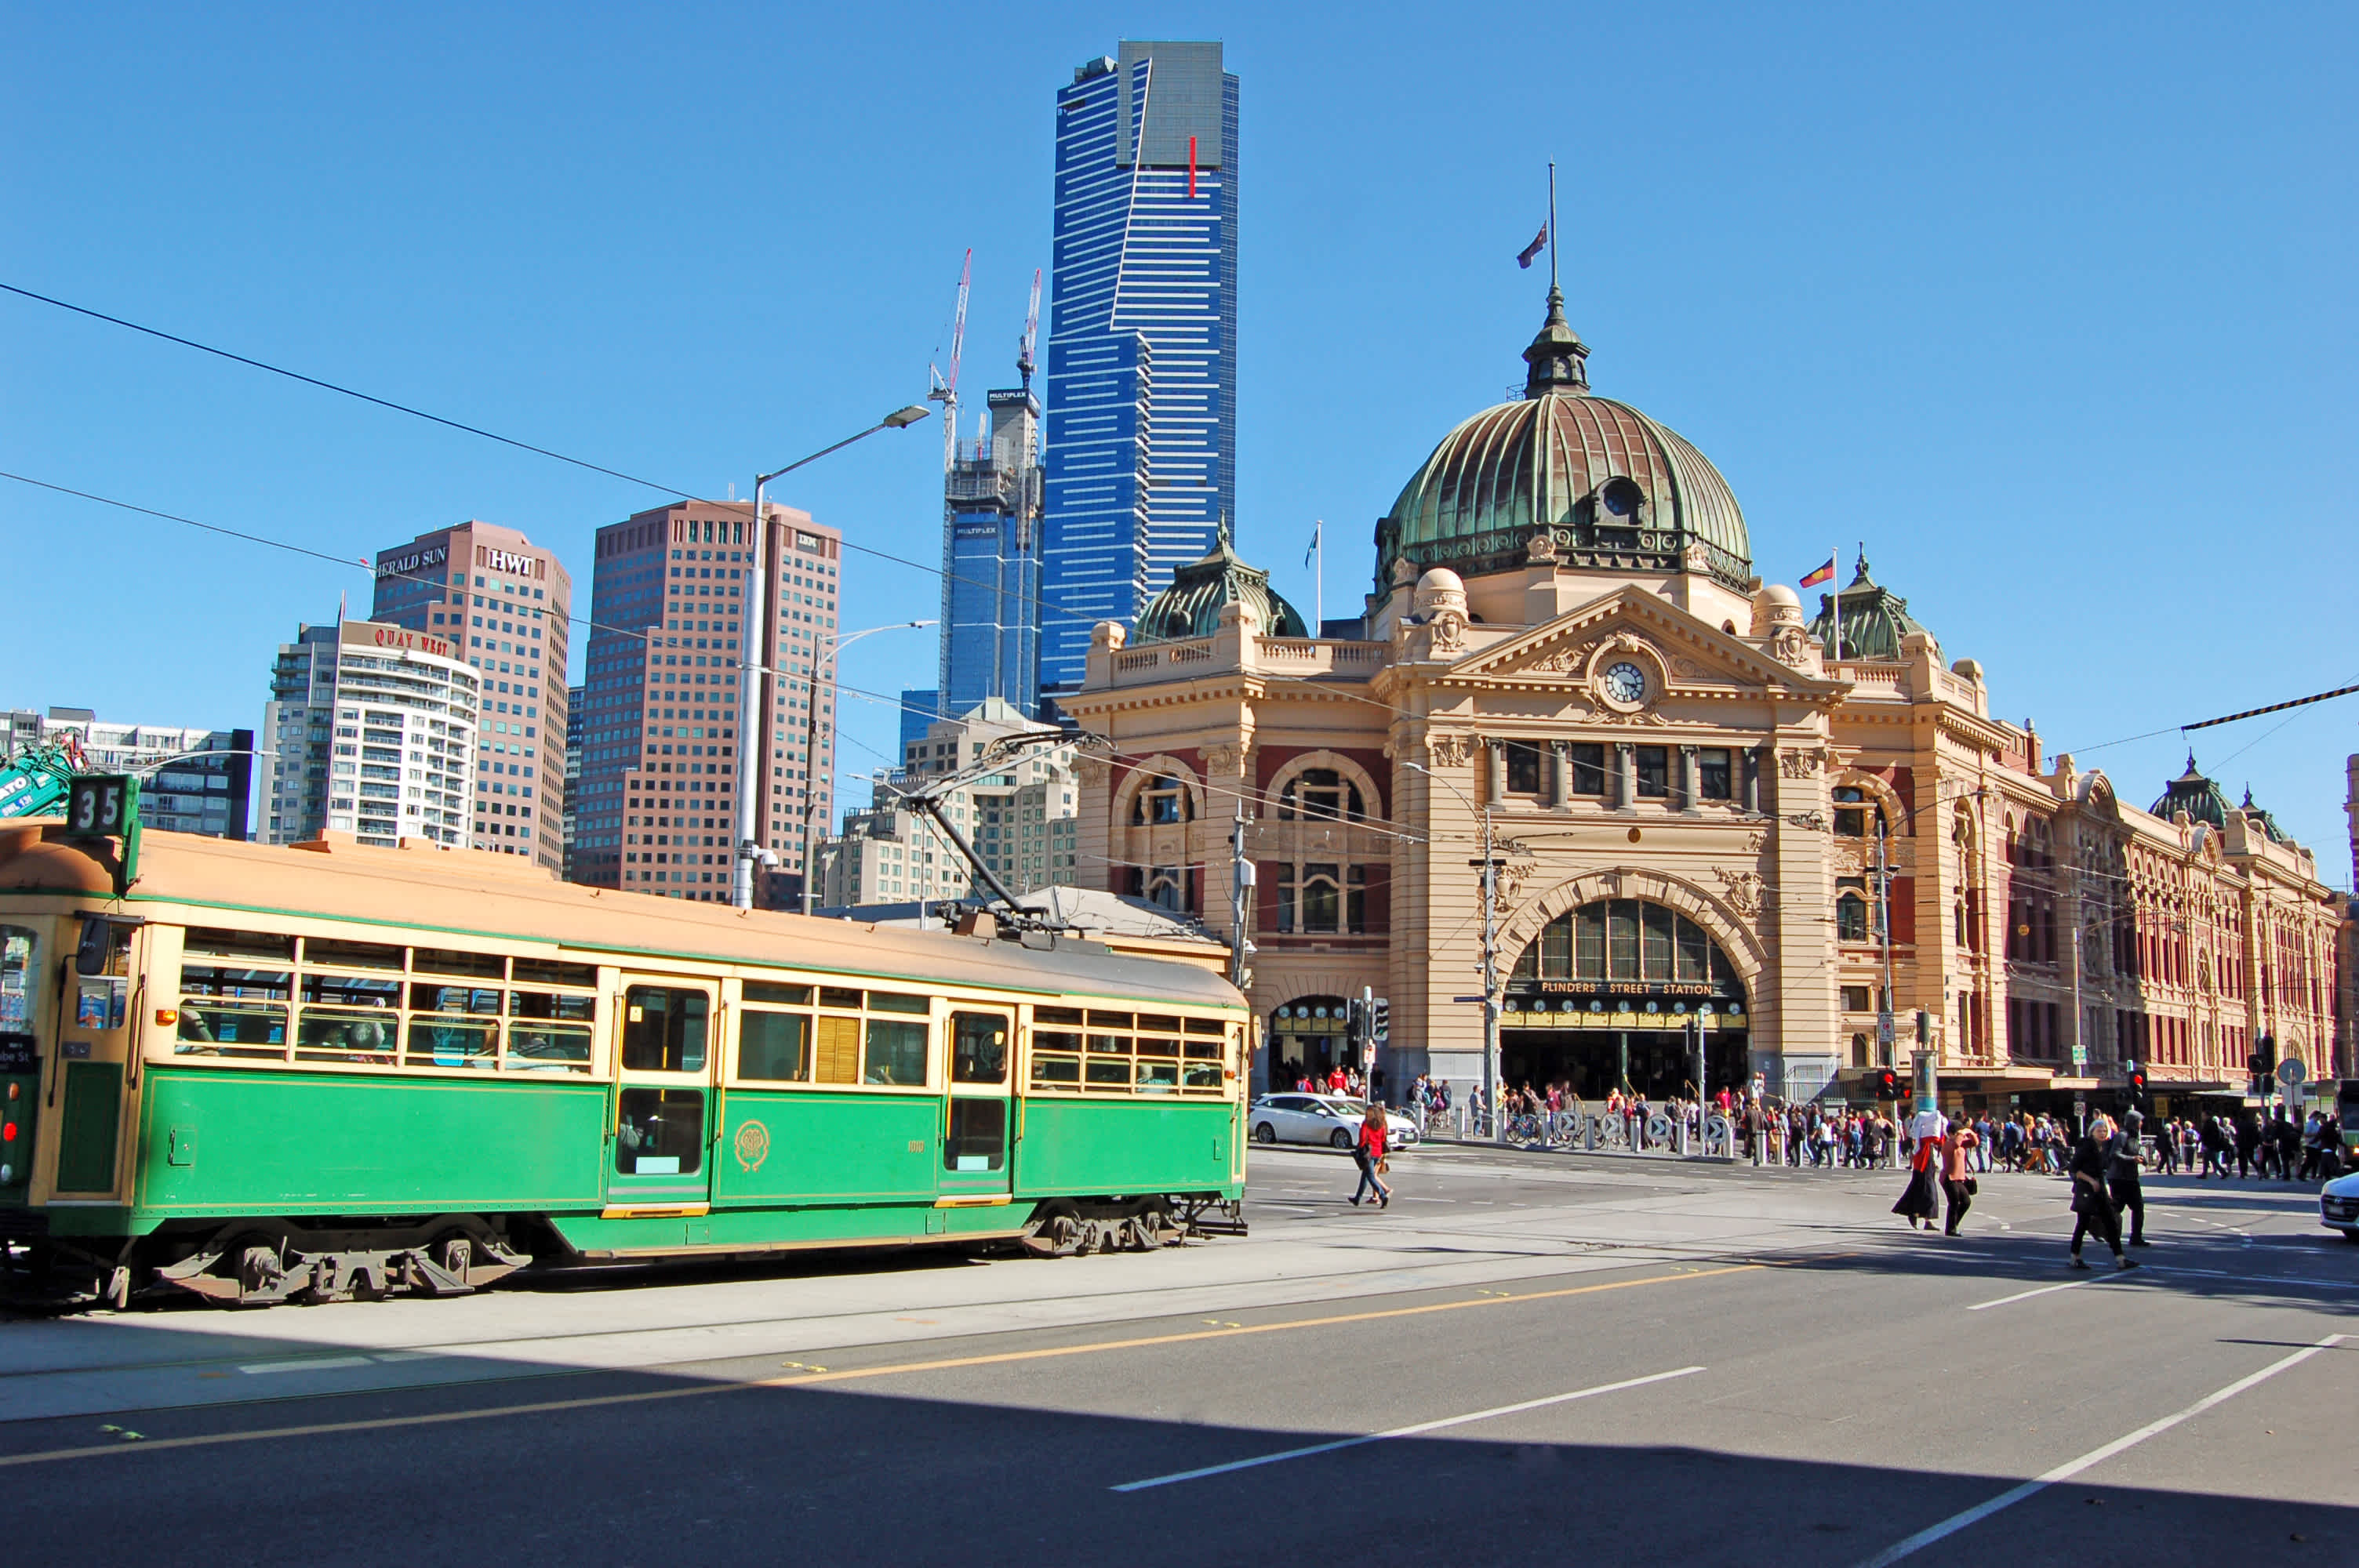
(2193, 794)
(1778, 596)
(1874, 619)
(1191, 606)
(1441, 580)
(1611, 489)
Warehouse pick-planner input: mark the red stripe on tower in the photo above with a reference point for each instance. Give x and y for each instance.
(1191, 169)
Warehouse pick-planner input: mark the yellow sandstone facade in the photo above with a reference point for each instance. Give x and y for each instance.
(1694, 810)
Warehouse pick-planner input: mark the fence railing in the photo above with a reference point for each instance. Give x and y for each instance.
(1657, 1132)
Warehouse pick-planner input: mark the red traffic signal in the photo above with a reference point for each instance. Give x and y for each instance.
(1885, 1083)
(2137, 1080)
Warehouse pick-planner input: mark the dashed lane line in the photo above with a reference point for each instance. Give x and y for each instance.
(813, 1379)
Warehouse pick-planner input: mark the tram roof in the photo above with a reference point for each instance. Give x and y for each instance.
(423, 887)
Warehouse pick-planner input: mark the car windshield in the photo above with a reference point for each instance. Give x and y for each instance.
(1343, 1108)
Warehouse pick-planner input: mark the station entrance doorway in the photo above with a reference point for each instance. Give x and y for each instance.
(1605, 997)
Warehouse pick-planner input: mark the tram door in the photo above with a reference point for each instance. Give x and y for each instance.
(978, 1141)
(669, 1051)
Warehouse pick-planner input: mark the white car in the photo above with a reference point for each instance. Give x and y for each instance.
(2338, 1206)
(1331, 1120)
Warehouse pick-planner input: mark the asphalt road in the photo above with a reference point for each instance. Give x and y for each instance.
(1525, 1359)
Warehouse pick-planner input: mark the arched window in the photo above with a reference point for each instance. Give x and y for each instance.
(1322, 896)
(1852, 804)
(1167, 887)
(1851, 918)
(1625, 939)
(1163, 799)
(1320, 794)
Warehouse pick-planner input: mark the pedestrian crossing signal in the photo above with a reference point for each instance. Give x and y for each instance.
(1885, 1083)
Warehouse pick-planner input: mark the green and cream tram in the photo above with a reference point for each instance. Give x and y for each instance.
(262, 1074)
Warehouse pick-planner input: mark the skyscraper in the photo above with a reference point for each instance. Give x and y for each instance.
(372, 732)
(991, 560)
(1142, 337)
(654, 806)
(505, 606)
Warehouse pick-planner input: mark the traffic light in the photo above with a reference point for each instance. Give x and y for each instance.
(1359, 1025)
(1885, 1083)
(1380, 1018)
(2267, 1055)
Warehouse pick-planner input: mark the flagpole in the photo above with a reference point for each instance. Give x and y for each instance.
(1318, 581)
(1552, 246)
(1834, 623)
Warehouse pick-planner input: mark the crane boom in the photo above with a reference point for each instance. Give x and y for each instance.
(945, 388)
(1031, 333)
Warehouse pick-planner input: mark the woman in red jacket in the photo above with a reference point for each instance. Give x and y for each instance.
(1369, 1152)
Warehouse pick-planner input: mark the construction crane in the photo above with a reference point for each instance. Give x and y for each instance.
(1031, 333)
(944, 389)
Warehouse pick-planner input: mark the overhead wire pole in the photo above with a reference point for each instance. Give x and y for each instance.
(753, 694)
(1489, 880)
(811, 745)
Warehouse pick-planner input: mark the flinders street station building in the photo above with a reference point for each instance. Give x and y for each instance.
(1703, 801)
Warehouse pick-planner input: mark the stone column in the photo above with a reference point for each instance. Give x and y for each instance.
(1495, 771)
(1752, 786)
(1561, 775)
(1625, 775)
(1691, 786)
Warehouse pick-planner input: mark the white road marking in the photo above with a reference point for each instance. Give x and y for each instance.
(310, 1364)
(2071, 1467)
(1423, 1426)
(2042, 1290)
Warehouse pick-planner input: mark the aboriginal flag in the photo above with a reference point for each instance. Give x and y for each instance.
(1824, 574)
(1540, 243)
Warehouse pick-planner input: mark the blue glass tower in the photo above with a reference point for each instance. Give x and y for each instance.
(991, 562)
(1142, 337)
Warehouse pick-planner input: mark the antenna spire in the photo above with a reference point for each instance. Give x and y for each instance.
(1551, 245)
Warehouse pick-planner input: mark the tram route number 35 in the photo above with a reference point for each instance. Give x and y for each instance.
(100, 803)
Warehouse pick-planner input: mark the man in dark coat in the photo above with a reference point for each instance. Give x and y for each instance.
(2122, 1169)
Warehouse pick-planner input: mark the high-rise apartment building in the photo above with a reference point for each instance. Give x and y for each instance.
(370, 729)
(991, 560)
(573, 768)
(1142, 337)
(193, 781)
(506, 605)
(1022, 821)
(660, 748)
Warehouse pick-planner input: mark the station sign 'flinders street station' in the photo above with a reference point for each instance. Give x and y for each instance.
(1706, 803)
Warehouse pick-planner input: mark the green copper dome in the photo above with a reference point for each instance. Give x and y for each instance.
(1874, 619)
(2193, 794)
(2268, 824)
(1611, 489)
(1191, 606)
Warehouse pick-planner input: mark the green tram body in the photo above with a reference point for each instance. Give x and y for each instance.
(361, 1055)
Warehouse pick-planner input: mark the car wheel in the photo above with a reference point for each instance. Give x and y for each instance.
(1265, 1133)
(1340, 1139)
(2351, 1236)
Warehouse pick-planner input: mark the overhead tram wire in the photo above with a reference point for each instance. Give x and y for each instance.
(1064, 613)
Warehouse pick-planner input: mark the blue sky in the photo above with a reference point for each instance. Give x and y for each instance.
(2050, 305)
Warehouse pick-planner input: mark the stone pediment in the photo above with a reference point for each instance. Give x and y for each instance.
(1683, 652)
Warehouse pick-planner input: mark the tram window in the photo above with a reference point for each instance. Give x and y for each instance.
(978, 1048)
(443, 961)
(1160, 1022)
(231, 1011)
(895, 1052)
(542, 972)
(211, 942)
(790, 996)
(347, 1018)
(1212, 1026)
(659, 1132)
(773, 1047)
(837, 996)
(1052, 1015)
(1106, 1072)
(18, 976)
(663, 1030)
(838, 1050)
(452, 1026)
(319, 950)
(549, 1031)
(978, 1135)
(1158, 1067)
(894, 1001)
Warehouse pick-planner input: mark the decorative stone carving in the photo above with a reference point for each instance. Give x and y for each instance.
(1791, 647)
(1540, 548)
(1449, 750)
(1449, 632)
(1093, 772)
(1226, 760)
(1743, 890)
(1802, 764)
(1755, 844)
(1688, 669)
(1510, 881)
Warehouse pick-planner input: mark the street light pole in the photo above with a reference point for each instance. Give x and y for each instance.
(754, 643)
(811, 744)
(1490, 885)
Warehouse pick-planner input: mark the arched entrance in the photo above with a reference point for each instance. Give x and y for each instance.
(1307, 1038)
(1603, 998)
